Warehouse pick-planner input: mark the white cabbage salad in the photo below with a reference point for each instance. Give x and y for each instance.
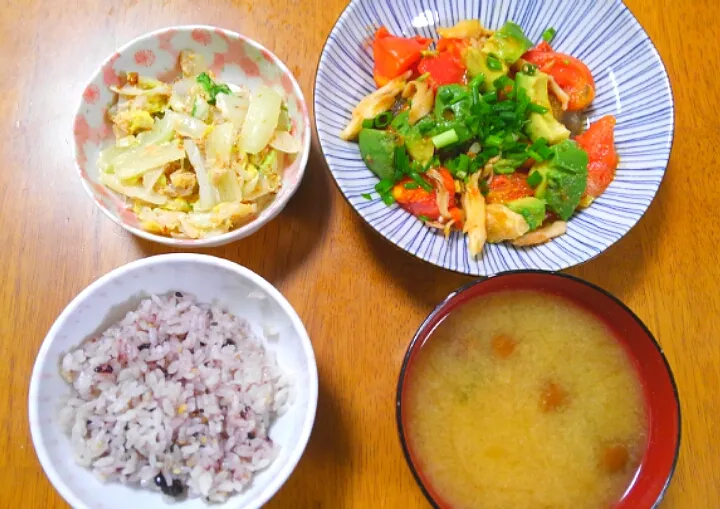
(196, 158)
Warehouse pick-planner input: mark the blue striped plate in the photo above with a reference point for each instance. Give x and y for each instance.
(631, 82)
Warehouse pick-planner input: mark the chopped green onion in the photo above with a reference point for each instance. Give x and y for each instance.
(481, 108)
(503, 106)
(494, 63)
(503, 82)
(523, 101)
(367, 196)
(490, 97)
(545, 153)
(445, 94)
(425, 124)
(491, 152)
(460, 165)
(521, 156)
(540, 142)
(522, 94)
(411, 185)
(477, 81)
(388, 199)
(368, 123)
(534, 179)
(423, 218)
(536, 108)
(535, 155)
(402, 159)
(384, 186)
(549, 34)
(457, 98)
(493, 141)
(461, 174)
(477, 163)
(475, 87)
(383, 120)
(504, 167)
(442, 140)
(529, 69)
(507, 115)
(421, 181)
(484, 188)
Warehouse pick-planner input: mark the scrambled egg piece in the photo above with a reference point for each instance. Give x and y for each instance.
(134, 121)
(182, 183)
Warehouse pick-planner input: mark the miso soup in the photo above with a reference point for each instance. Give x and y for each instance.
(523, 400)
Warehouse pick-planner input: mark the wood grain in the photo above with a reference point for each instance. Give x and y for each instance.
(360, 298)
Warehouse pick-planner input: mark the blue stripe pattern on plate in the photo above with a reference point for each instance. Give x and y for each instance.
(631, 84)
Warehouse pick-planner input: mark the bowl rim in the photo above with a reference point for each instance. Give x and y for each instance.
(671, 144)
(295, 452)
(275, 207)
(452, 296)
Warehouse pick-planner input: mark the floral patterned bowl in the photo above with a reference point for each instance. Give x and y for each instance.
(234, 59)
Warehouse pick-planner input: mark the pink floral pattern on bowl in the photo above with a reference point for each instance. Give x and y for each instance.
(234, 59)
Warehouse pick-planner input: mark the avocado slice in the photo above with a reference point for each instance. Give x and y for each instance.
(377, 149)
(401, 123)
(476, 63)
(541, 188)
(543, 125)
(509, 43)
(564, 178)
(532, 209)
(420, 148)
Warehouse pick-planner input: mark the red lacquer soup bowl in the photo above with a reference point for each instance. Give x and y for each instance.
(659, 391)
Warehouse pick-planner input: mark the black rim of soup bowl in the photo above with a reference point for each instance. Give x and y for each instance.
(453, 295)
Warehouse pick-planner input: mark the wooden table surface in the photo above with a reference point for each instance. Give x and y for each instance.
(360, 298)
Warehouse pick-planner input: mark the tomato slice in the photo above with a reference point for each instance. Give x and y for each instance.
(420, 202)
(543, 47)
(453, 45)
(573, 76)
(444, 69)
(599, 142)
(505, 188)
(394, 55)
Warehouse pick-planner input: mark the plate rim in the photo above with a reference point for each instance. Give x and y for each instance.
(665, 76)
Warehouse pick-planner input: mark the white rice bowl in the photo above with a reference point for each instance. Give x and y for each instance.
(140, 394)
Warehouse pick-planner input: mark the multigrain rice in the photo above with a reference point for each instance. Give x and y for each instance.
(177, 397)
